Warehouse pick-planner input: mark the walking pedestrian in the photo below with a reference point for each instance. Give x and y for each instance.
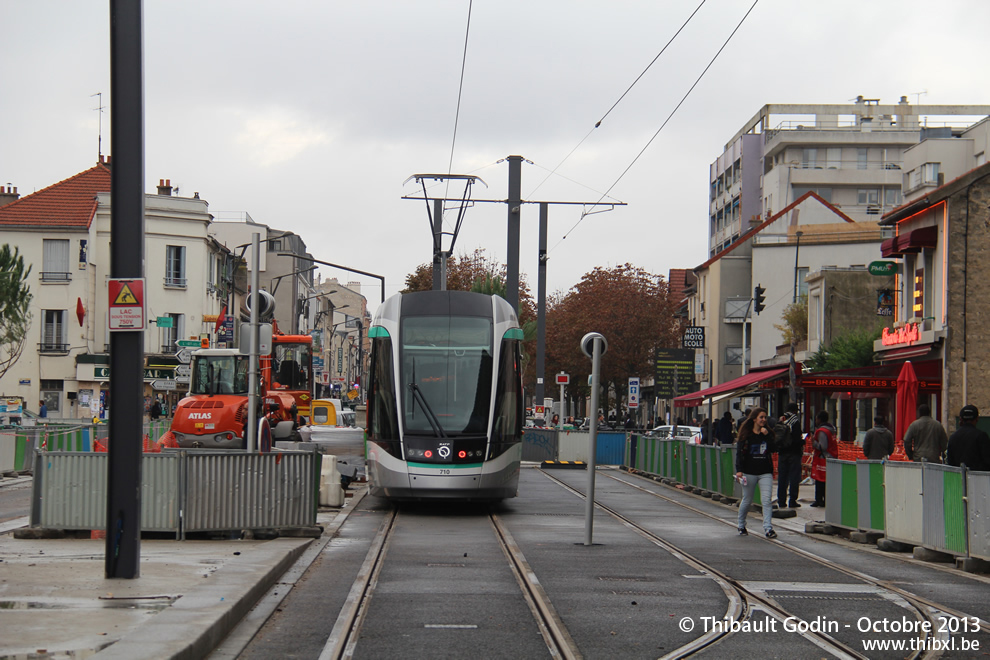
(724, 432)
(825, 446)
(790, 451)
(925, 438)
(879, 441)
(969, 445)
(754, 465)
(42, 409)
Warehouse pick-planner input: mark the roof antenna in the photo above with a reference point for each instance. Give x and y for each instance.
(99, 141)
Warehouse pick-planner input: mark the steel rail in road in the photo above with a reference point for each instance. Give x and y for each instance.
(343, 638)
(555, 634)
(918, 602)
(750, 599)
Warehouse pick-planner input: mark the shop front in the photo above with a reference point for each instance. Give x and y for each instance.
(853, 397)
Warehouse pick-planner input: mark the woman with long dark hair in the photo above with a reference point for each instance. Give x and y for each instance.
(754, 465)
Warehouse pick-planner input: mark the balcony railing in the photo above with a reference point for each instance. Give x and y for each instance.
(52, 347)
(175, 282)
(53, 276)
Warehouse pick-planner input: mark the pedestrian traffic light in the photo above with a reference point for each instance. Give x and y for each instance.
(759, 298)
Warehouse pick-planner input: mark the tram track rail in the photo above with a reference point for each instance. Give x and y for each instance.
(752, 601)
(341, 643)
(918, 601)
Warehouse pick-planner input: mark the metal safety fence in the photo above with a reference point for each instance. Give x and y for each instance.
(707, 467)
(182, 491)
(935, 506)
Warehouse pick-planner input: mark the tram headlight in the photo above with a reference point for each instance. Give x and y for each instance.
(462, 454)
(428, 454)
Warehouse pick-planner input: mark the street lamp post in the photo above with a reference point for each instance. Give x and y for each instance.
(797, 251)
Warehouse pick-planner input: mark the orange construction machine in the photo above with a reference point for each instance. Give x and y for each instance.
(214, 415)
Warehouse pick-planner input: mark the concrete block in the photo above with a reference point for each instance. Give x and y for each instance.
(925, 554)
(784, 513)
(814, 528)
(889, 545)
(972, 565)
(865, 537)
(34, 533)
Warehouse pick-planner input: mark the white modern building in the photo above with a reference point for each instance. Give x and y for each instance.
(850, 155)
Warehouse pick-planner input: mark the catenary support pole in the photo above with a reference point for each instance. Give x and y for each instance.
(515, 213)
(541, 308)
(123, 542)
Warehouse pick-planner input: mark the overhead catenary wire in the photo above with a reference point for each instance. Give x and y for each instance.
(619, 100)
(460, 92)
(664, 124)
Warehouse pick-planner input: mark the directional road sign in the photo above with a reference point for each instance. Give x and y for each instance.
(192, 343)
(163, 385)
(183, 355)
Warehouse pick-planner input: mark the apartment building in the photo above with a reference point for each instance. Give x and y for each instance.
(850, 155)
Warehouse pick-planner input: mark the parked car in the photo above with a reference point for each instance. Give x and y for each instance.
(693, 433)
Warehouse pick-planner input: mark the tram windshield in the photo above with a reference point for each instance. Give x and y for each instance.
(446, 374)
(219, 374)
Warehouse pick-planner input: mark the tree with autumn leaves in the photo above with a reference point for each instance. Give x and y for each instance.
(626, 304)
(630, 308)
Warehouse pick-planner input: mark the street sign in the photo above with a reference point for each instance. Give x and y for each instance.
(694, 336)
(182, 380)
(163, 385)
(633, 399)
(192, 343)
(183, 370)
(127, 309)
(183, 355)
(563, 378)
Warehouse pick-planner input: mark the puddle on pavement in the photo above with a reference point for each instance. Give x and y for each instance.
(153, 604)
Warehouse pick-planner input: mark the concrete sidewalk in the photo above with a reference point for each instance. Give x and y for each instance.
(189, 595)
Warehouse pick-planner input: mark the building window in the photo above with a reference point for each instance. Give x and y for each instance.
(862, 158)
(275, 245)
(833, 158)
(809, 159)
(929, 173)
(802, 286)
(869, 196)
(175, 265)
(51, 394)
(53, 331)
(171, 335)
(733, 355)
(891, 197)
(55, 267)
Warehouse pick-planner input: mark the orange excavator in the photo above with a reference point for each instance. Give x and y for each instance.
(214, 415)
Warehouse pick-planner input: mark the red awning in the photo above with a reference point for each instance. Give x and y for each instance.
(914, 241)
(889, 248)
(748, 382)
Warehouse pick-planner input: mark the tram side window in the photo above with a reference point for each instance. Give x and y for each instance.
(508, 402)
(383, 422)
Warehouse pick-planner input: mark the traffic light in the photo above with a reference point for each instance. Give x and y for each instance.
(759, 298)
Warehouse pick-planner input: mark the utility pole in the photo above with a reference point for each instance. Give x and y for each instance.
(123, 543)
(514, 202)
(541, 309)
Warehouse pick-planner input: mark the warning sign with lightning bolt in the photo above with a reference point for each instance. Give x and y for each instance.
(127, 308)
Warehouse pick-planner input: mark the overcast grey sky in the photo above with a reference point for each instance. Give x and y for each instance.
(311, 115)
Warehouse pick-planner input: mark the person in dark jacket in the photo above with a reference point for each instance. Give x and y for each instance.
(969, 445)
(879, 441)
(754, 464)
(789, 455)
(724, 432)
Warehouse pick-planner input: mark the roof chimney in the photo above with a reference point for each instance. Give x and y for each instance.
(8, 195)
(165, 187)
